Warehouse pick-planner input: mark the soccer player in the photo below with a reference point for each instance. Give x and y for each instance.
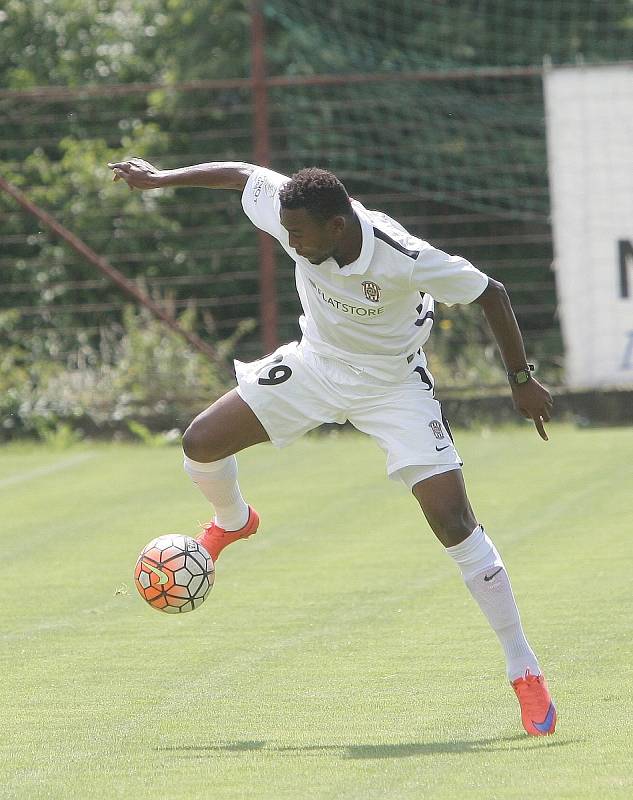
(367, 288)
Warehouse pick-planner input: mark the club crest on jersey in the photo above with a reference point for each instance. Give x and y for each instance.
(436, 426)
(372, 291)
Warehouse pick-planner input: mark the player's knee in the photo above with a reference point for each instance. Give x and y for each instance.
(199, 443)
(191, 443)
(452, 525)
(459, 527)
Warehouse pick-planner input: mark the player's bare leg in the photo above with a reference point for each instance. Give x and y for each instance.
(448, 511)
(223, 429)
(446, 507)
(210, 444)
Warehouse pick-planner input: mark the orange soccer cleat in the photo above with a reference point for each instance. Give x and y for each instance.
(538, 712)
(214, 539)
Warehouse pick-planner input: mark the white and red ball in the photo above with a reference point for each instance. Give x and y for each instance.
(174, 573)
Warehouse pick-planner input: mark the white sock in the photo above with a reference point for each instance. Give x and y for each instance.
(217, 481)
(485, 576)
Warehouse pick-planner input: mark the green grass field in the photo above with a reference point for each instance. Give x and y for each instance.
(339, 654)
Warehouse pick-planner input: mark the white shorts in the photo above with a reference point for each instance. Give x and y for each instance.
(294, 390)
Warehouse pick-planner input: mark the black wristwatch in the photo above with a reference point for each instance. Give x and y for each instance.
(521, 376)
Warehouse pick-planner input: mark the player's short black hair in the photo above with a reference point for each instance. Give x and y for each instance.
(318, 191)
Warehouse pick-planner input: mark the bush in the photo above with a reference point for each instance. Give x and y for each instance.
(142, 372)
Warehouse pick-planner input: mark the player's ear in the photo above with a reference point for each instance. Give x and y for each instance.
(337, 224)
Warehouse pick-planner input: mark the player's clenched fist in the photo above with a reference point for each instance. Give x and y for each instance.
(137, 173)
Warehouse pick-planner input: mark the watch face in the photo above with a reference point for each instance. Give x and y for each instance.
(522, 377)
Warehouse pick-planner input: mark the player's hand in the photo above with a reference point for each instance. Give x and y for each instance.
(137, 173)
(533, 401)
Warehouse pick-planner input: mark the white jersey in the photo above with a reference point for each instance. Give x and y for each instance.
(377, 312)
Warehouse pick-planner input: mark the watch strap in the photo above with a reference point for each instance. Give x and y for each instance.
(522, 375)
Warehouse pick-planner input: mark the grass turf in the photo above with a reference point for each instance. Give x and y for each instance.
(339, 654)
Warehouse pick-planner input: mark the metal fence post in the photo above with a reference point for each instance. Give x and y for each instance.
(268, 289)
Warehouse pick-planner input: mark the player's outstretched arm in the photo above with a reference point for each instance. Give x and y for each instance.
(140, 174)
(531, 399)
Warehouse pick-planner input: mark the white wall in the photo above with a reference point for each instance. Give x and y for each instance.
(589, 112)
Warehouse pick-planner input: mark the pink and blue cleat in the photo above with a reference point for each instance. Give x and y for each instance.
(538, 712)
(215, 539)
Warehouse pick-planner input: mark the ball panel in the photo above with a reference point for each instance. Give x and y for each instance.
(170, 552)
(182, 577)
(144, 579)
(177, 592)
(203, 551)
(202, 559)
(151, 554)
(171, 610)
(175, 561)
(159, 602)
(164, 542)
(193, 566)
(198, 585)
(152, 592)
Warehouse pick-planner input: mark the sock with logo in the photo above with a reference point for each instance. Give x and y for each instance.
(217, 481)
(485, 576)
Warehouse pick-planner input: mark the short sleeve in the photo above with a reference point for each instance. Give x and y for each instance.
(448, 279)
(260, 200)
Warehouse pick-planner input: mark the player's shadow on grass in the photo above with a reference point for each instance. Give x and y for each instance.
(375, 751)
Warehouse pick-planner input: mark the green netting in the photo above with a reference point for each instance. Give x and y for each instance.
(475, 144)
(356, 36)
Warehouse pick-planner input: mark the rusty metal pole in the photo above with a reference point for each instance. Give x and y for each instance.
(268, 287)
(126, 285)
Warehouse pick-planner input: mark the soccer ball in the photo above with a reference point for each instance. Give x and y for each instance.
(174, 573)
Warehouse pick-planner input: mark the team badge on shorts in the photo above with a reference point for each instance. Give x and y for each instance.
(372, 291)
(436, 426)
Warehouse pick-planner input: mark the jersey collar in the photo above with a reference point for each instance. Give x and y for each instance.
(367, 248)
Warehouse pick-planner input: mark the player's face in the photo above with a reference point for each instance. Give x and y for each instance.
(313, 238)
